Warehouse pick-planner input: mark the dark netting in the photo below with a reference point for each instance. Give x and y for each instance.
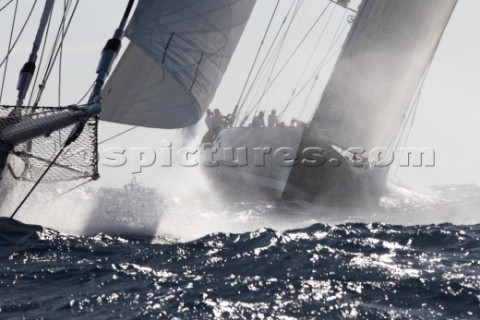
(30, 159)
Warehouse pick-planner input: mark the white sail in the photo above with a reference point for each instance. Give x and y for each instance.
(379, 70)
(178, 54)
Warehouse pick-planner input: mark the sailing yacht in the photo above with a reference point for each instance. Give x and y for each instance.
(166, 78)
(363, 108)
(168, 75)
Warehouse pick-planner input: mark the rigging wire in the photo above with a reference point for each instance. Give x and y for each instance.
(86, 93)
(31, 111)
(410, 119)
(265, 58)
(270, 59)
(54, 55)
(413, 111)
(38, 181)
(9, 46)
(117, 135)
(254, 107)
(314, 77)
(324, 61)
(37, 74)
(55, 43)
(19, 34)
(312, 87)
(99, 143)
(61, 56)
(315, 74)
(70, 190)
(308, 62)
(6, 5)
(293, 53)
(278, 53)
(258, 52)
(78, 128)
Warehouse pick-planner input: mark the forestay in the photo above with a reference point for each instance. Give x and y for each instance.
(178, 54)
(379, 70)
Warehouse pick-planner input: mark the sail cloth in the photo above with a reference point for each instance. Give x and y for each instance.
(178, 54)
(384, 58)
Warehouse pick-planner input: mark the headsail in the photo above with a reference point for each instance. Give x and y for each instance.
(379, 70)
(178, 54)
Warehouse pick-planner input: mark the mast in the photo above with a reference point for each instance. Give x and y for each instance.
(31, 128)
(109, 54)
(28, 69)
(386, 54)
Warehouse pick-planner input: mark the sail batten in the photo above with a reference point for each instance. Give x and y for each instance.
(178, 54)
(382, 63)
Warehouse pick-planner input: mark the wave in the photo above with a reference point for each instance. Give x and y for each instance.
(353, 270)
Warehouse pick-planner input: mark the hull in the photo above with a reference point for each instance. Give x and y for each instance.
(287, 163)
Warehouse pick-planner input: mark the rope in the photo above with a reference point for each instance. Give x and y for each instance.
(38, 181)
(117, 135)
(73, 136)
(70, 190)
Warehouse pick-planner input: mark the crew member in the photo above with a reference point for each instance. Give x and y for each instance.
(258, 121)
(273, 119)
(209, 119)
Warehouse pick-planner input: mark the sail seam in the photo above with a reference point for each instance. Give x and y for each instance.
(166, 48)
(196, 72)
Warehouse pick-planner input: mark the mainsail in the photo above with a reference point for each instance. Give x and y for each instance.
(178, 54)
(379, 70)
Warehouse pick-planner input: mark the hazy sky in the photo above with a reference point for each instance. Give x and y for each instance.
(447, 119)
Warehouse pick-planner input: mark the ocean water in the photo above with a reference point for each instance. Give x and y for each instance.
(414, 256)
